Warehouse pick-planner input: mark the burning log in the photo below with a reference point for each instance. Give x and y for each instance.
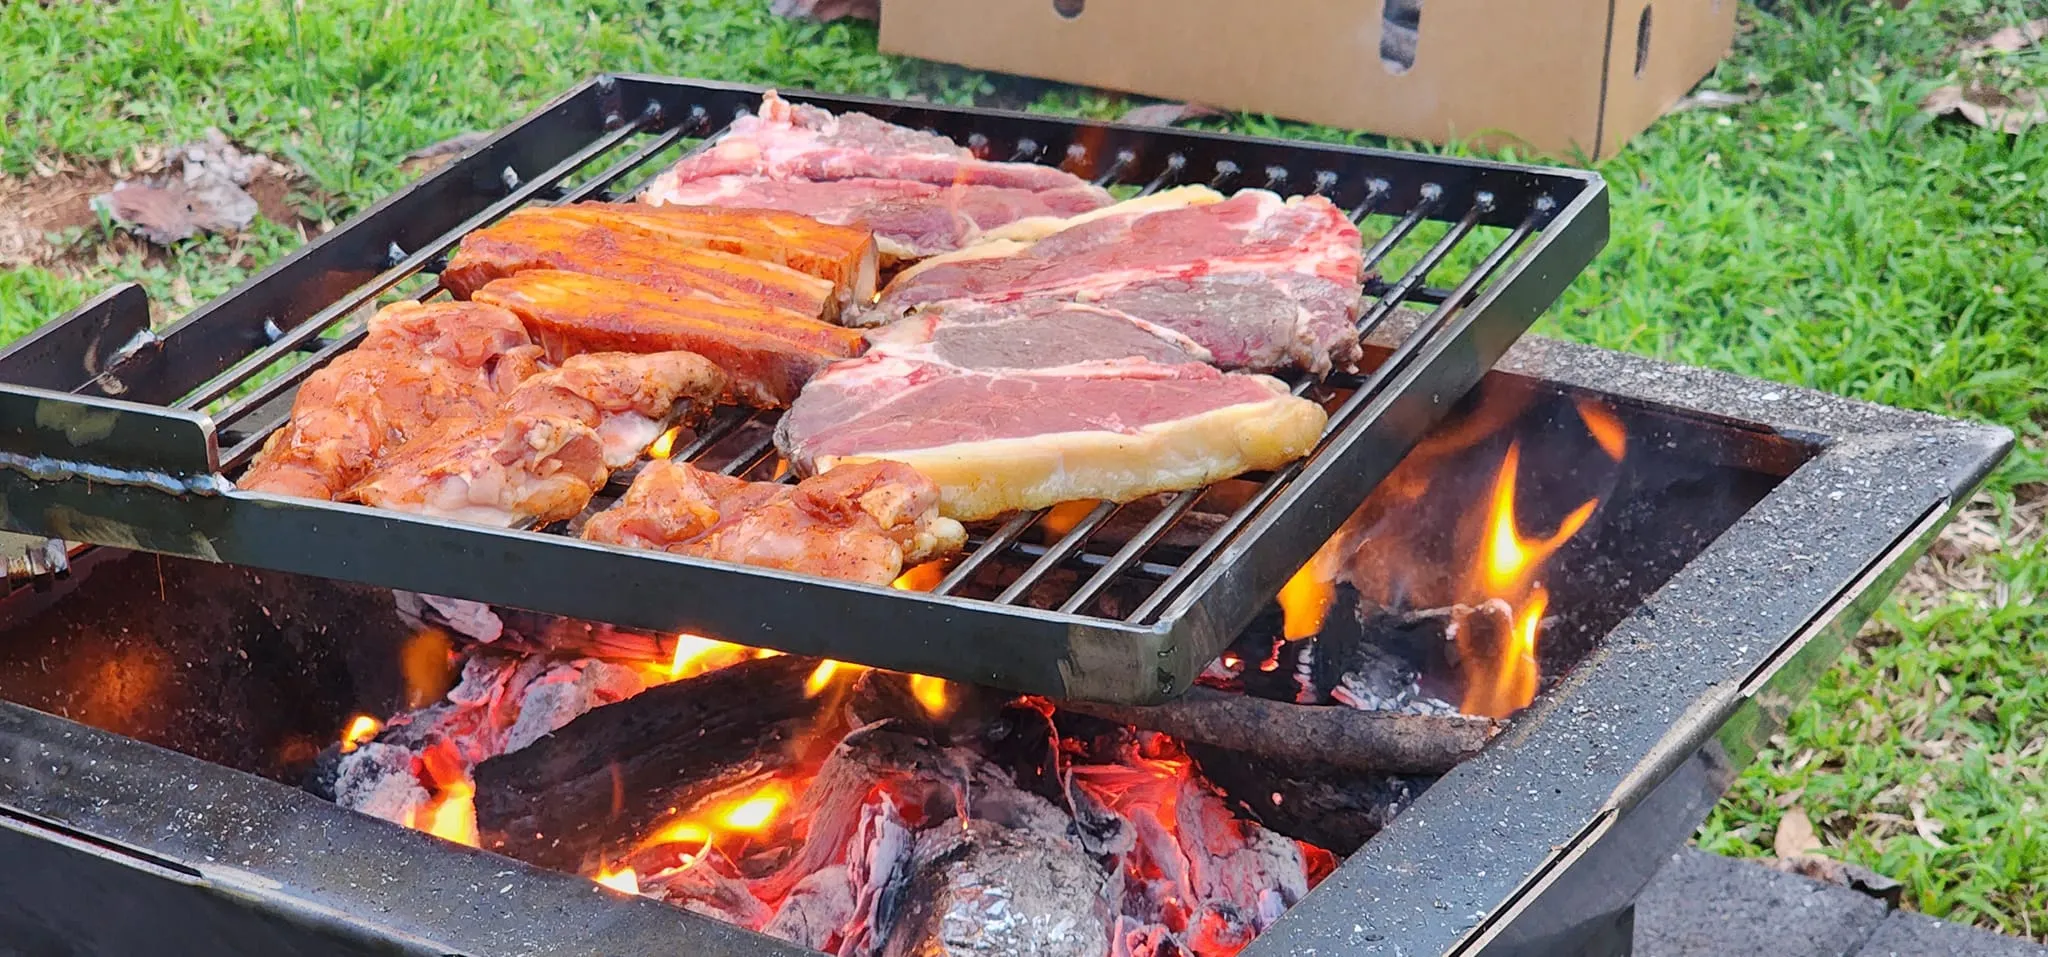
(1338, 736)
(1337, 809)
(611, 774)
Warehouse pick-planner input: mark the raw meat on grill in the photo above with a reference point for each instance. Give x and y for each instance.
(550, 447)
(546, 239)
(767, 355)
(843, 255)
(792, 141)
(1026, 405)
(418, 363)
(910, 220)
(921, 194)
(865, 523)
(1262, 283)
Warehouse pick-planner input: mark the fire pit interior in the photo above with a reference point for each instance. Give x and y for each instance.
(857, 811)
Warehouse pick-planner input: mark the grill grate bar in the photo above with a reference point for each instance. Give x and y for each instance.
(240, 372)
(761, 448)
(1140, 543)
(988, 549)
(1432, 194)
(1057, 552)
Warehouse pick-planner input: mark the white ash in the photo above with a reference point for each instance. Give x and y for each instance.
(565, 693)
(470, 619)
(378, 780)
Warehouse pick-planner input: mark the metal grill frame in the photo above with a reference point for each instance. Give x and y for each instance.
(106, 444)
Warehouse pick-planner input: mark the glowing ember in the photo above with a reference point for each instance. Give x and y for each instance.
(681, 832)
(361, 728)
(623, 881)
(932, 694)
(665, 445)
(923, 577)
(1604, 427)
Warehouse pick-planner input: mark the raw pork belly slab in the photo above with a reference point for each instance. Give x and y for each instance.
(1262, 283)
(1026, 406)
(546, 239)
(768, 355)
(921, 194)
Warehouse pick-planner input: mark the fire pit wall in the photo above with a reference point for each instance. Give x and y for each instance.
(261, 671)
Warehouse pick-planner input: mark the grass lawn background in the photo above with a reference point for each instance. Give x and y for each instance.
(1827, 233)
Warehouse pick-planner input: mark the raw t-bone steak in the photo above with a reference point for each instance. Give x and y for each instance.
(921, 194)
(1027, 405)
(1262, 283)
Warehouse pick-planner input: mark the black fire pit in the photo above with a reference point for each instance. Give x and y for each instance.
(1760, 526)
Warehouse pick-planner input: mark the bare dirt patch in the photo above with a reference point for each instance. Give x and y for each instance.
(47, 219)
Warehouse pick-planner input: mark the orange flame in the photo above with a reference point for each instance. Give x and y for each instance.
(1513, 682)
(923, 577)
(1511, 559)
(1061, 518)
(822, 676)
(665, 445)
(1306, 598)
(1502, 680)
(1605, 428)
(427, 660)
(451, 815)
(757, 810)
(932, 694)
(361, 728)
(624, 881)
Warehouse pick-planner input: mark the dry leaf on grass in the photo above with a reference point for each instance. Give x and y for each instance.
(1827, 870)
(437, 155)
(1166, 114)
(2009, 40)
(1709, 100)
(1928, 828)
(1989, 108)
(1795, 837)
(826, 11)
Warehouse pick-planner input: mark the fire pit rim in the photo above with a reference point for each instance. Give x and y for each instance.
(1445, 876)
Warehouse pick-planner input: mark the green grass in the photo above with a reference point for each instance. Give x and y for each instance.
(1827, 234)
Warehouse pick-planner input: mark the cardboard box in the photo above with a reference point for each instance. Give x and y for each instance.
(1563, 77)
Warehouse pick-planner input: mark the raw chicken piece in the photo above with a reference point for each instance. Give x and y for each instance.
(862, 523)
(552, 445)
(420, 363)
